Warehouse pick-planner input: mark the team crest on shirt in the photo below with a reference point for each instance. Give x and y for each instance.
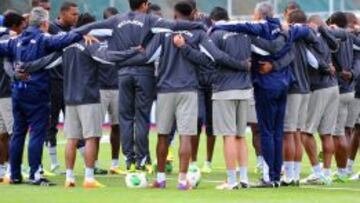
(230, 34)
(130, 22)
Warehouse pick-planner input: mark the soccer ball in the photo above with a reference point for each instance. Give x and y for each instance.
(136, 180)
(168, 167)
(194, 176)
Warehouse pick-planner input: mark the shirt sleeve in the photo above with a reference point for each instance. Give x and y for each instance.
(152, 52)
(248, 28)
(47, 62)
(208, 48)
(157, 23)
(105, 24)
(60, 41)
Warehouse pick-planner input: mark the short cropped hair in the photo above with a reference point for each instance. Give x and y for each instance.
(265, 9)
(38, 15)
(36, 3)
(110, 11)
(219, 13)
(292, 5)
(184, 8)
(339, 19)
(84, 19)
(135, 4)
(297, 16)
(13, 19)
(67, 5)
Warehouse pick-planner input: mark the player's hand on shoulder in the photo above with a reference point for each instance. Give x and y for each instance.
(89, 39)
(265, 67)
(179, 40)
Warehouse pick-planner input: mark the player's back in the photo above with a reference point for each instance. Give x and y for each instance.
(81, 84)
(238, 46)
(176, 72)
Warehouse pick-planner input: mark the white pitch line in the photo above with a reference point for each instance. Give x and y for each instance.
(301, 187)
(331, 188)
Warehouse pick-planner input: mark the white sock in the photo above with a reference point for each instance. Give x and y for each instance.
(182, 178)
(194, 163)
(70, 175)
(2, 170)
(327, 172)
(342, 171)
(38, 174)
(160, 177)
(244, 175)
(231, 177)
(53, 156)
(115, 163)
(317, 170)
(289, 170)
(266, 175)
(8, 170)
(349, 166)
(89, 174)
(260, 161)
(297, 170)
(207, 163)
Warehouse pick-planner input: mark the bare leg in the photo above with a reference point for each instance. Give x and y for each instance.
(185, 152)
(70, 153)
(91, 151)
(242, 152)
(4, 148)
(298, 147)
(256, 139)
(230, 152)
(289, 146)
(328, 150)
(161, 152)
(211, 139)
(355, 142)
(310, 148)
(341, 151)
(194, 147)
(115, 141)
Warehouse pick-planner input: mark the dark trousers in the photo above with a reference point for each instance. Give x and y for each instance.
(270, 109)
(31, 111)
(205, 111)
(136, 96)
(57, 105)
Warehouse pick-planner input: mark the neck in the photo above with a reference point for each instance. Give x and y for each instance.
(140, 10)
(184, 18)
(62, 22)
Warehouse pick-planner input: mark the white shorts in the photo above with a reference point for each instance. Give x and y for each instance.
(251, 112)
(181, 107)
(343, 112)
(322, 111)
(296, 112)
(354, 112)
(110, 103)
(83, 121)
(230, 117)
(6, 116)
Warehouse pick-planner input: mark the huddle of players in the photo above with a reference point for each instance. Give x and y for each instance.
(184, 59)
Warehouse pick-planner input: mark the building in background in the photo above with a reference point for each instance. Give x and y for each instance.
(240, 9)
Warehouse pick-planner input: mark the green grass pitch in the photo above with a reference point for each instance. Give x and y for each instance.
(116, 192)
